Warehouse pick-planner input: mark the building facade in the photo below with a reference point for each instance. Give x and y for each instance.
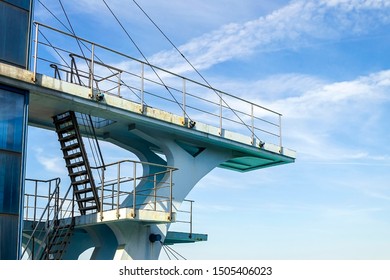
(15, 21)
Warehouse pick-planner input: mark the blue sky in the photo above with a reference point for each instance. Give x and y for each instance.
(323, 64)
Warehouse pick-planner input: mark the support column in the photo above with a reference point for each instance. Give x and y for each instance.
(193, 163)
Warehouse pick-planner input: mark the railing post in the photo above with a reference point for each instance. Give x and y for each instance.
(170, 195)
(35, 53)
(134, 187)
(119, 189)
(220, 113)
(253, 124)
(191, 218)
(142, 86)
(155, 191)
(91, 69)
(184, 101)
(119, 83)
(48, 203)
(102, 196)
(280, 133)
(35, 200)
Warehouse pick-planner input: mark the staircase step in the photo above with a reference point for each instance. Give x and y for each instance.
(68, 138)
(86, 190)
(66, 128)
(75, 164)
(79, 173)
(81, 182)
(86, 199)
(73, 156)
(71, 147)
(62, 118)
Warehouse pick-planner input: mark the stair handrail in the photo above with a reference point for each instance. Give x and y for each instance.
(51, 223)
(47, 222)
(46, 209)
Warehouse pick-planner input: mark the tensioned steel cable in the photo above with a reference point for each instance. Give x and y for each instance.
(147, 61)
(101, 61)
(192, 66)
(174, 253)
(73, 32)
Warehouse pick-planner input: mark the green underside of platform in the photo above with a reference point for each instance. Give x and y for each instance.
(248, 163)
(174, 237)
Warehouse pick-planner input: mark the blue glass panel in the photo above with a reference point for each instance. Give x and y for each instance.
(24, 4)
(9, 182)
(13, 33)
(11, 120)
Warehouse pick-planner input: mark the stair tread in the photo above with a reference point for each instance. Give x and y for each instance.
(61, 118)
(82, 191)
(66, 128)
(75, 164)
(67, 138)
(79, 173)
(73, 156)
(81, 182)
(71, 147)
(86, 199)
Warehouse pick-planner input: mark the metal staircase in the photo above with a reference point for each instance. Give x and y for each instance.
(77, 163)
(52, 231)
(58, 240)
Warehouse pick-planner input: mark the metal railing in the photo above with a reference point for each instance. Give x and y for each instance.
(44, 207)
(136, 80)
(42, 201)
(185, 215)
(124, 184)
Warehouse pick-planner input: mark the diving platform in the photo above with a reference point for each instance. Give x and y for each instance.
(179, 128)
(119, 119)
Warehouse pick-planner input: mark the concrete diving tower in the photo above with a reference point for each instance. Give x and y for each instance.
(179, 129)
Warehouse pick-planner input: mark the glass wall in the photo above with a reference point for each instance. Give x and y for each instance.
(13, 125)
(15, 31)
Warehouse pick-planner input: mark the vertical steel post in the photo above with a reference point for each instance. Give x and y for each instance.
(36, 52)
(26, 206)
(134, 187)
(155, 191)
(91, 69)
(102, 196)
(119, 189)
(191, 218)
(253, 124)
(142, 86)
(220, 113)
(280, 133)
(119, 83)
(184, 101)
(35, 200)
(170, 195)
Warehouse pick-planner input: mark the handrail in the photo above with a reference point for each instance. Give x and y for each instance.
(244, 114)
(189, 212)
(160, 189)
(47, 210)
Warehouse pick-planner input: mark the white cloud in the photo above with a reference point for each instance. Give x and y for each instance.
(294, 25)
(334, 99)
(332, 121)
(52, 164)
